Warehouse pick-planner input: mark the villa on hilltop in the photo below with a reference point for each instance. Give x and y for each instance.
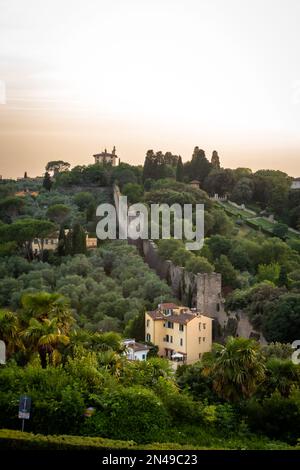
(106, 157)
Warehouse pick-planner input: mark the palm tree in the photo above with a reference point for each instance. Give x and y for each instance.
(236, 368)
(281, 375)
(111, 361)
(44, 337)
(9, 331)
(43, 305)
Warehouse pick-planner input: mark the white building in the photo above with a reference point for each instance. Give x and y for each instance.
(135, 351)
(296, 184)
(106, 157)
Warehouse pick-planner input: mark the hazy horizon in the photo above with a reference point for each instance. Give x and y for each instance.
(138, 74)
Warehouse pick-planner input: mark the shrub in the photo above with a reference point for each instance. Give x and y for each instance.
(129, 413)
(183, 409)
(277, 417)
(57, 402)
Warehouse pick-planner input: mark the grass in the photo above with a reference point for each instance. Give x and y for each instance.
(259, 223)
(235, 211)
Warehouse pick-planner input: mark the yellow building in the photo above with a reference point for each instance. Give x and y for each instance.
(51, 243)
(91, 242)
(181, 334)
(195, 184)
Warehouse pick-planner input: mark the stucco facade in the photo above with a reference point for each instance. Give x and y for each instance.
(181, 334)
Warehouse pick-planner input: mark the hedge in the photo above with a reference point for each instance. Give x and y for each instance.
(17, 440)
(10, 439)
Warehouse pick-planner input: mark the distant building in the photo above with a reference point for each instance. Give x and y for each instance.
(26, 192)
(35, 179)
(106, 157)
(91, 242)
(181, 334)
(296, 184)
(51, 242)
(135, 351)
(195, 184)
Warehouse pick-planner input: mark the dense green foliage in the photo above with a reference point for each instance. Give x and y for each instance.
(209, 404)
(105, 289)
(63, 312)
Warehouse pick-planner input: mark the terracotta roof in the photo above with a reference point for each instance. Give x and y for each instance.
(136, 346)
(167, 306)
(156, 315)
(140, 347)
(182, 318)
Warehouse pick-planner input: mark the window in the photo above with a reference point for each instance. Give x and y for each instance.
(203, 339)
(181, 327)
(218, 307)
(170, 324)
(148, 323)
(167, 338)
(171, 339)
(199, 339)
(204, 326)
(46, 241)
(167, 312)
(148, 337)
(144, 357)
(181, 342)
(35, 241)
(199, 326)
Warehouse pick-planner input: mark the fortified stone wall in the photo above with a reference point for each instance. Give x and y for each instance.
(203, 290)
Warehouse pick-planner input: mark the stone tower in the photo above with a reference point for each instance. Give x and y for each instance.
(209, 293)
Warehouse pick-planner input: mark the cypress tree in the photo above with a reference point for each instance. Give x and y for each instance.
(78, 239)
(283, 280)
(179, 170)
(215, 160)
(61, 249)
(47, 183)
(200, 166)
(91, 212)
(68, 243)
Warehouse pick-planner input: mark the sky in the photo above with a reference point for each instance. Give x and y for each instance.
(78, 76)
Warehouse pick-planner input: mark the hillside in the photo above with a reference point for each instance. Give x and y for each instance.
(66, 309)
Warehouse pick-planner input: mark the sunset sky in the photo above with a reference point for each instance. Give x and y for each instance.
(77, 76)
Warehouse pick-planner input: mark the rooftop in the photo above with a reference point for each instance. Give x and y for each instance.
(182, 318)
(167, 306)
(181, 314)
(105, 154)
(131, 343)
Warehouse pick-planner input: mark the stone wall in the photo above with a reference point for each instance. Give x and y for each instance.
(203, 290)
